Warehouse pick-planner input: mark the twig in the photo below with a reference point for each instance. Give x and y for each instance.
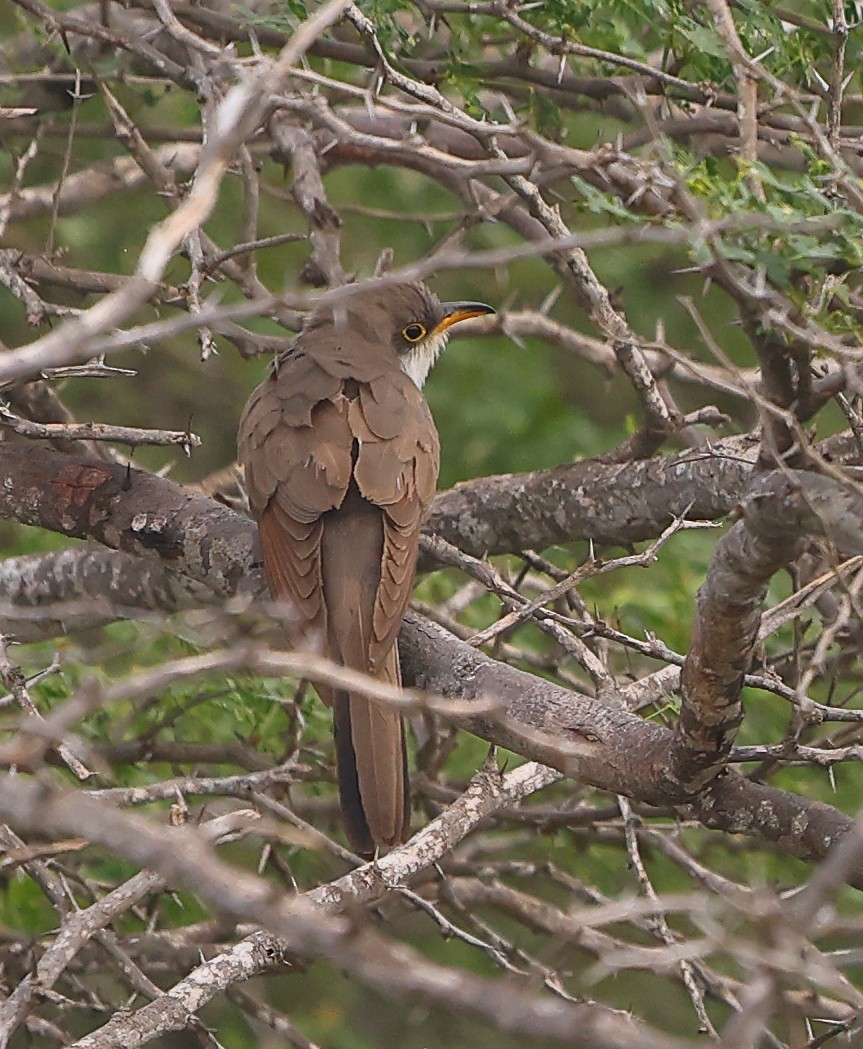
(13, 679)
(131, 435)
(660, 925)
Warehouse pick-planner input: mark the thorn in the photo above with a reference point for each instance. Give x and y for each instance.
(490, 762)
(550, 299)
(513, 337)
(822, 83)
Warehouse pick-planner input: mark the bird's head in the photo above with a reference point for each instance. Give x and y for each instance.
(428, 321)
(408, 317)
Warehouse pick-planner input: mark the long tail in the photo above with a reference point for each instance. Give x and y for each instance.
(372, 767)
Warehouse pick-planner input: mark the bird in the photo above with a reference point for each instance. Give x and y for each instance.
(341, 457)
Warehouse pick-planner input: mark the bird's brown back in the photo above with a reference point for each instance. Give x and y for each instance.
(341, 461)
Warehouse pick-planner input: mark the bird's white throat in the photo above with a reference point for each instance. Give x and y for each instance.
(417, 363)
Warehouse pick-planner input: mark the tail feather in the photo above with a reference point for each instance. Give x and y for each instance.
(374, 789)
(350, 801)
(378, 743)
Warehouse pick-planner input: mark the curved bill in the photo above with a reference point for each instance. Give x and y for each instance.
(461, 311)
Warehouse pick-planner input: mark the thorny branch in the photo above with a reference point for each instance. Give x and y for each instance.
(489, 130)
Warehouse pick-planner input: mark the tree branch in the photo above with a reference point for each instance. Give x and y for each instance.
(183, 856)
(590, 741)
(780, 511)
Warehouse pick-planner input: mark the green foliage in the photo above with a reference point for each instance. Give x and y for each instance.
(621, 27)
(595, 201)
(282, 17)
(791, 201)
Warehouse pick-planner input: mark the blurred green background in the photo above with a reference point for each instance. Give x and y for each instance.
(500, 406)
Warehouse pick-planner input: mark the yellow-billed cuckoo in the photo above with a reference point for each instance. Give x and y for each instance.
(341, 460)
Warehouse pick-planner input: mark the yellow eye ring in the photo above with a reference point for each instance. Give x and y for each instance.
(414, 332)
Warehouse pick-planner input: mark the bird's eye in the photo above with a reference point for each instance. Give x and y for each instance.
(414, 332)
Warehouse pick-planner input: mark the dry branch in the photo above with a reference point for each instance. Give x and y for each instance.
(780, 512)
(391, 94)
(587, 740)
(183, 856)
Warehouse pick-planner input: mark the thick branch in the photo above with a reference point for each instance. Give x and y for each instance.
(152, 517)
(129, 510)
(590, 500)
(88, 587)
(780, 512)
(607, 747)
(590, 741)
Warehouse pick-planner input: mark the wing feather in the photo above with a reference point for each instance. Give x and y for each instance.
(292, 564)
(399, 474)
(295, 445)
